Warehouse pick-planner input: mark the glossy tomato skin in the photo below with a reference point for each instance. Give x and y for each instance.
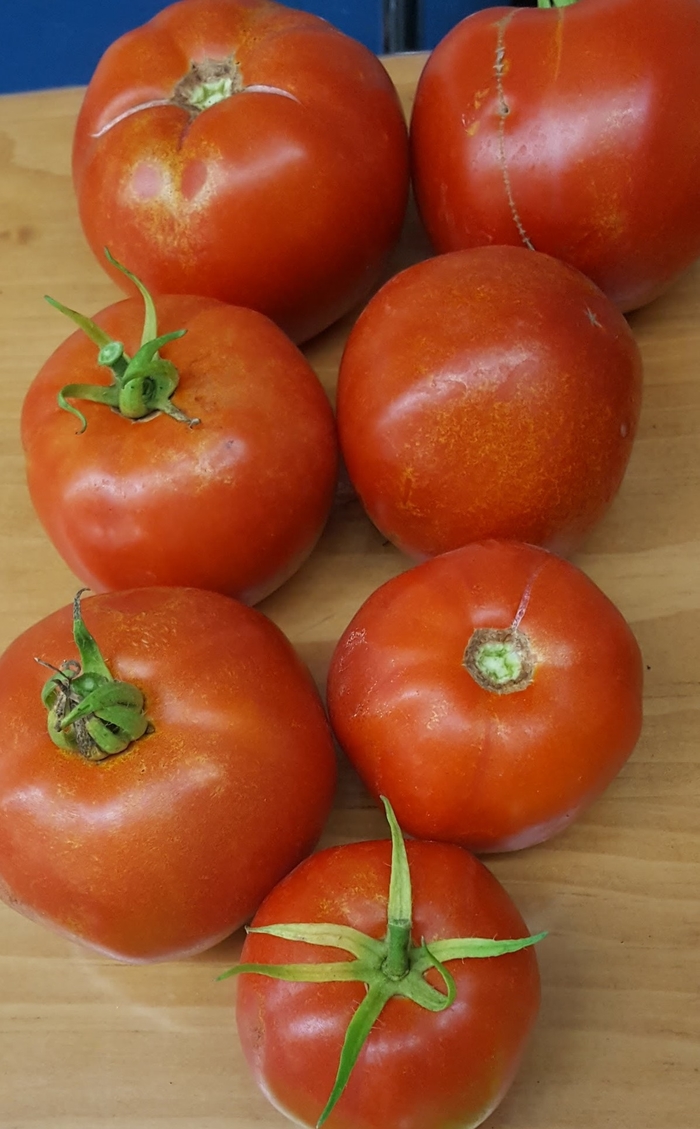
(462, 763)
(493, 392)
(285, 197)
(166, 848)
(418, 1069)
(234, 504)
(575, 130)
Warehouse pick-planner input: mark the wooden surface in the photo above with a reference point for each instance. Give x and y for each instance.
(86, 1043)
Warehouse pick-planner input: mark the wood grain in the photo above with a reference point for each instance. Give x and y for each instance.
(86, 1043)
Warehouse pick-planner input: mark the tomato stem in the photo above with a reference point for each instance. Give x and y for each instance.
(89, 711)
(391, 967)
(399, 906)
(555, 3)
(500, 660)
(142, 385)
(206, 83)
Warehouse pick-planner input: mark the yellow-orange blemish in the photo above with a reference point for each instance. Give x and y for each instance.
(480, 95)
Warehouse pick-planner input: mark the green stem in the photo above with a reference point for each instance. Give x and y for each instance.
(358, 1029)
(94, 392)
(391, 967)
(150, 324)
(89, 711)
(399, 907)
(141, 386)
(89, 328)
(555, 3)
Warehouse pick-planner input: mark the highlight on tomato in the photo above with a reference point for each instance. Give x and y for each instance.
(245, 151)
(565, 128)
(190, 445)
(386, 984)
(166, 761)
(492, 694)
(493, 392)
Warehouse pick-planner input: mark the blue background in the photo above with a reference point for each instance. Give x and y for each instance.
(46, 43)
(436, 17)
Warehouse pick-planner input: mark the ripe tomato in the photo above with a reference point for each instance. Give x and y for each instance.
(234, 504)
(574, 130)
(415, 1056)
(162, 849)
(246, 151)
(488, 393)
(491, 694)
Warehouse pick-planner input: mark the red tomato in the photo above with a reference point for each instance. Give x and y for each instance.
(246, 151)
(418, 1069)
(574, 130)
(491, 694)
(488, 393)
(167, 847)
(234, 504)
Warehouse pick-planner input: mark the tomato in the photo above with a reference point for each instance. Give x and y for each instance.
(246, 151)
(491, 694)
(166, 847)
(488, 393)
(233, 503)
(574, 130)
(416, 1055)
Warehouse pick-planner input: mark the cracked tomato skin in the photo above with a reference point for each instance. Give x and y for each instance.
(463, 763)
(285, 197)
(234, 504)
(165, 849)
(493, 392)
(418, 1069)
(576, 129)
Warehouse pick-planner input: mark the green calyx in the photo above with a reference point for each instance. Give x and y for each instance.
(393, 966)
(555, 3)
(142, 385)
(89, 711)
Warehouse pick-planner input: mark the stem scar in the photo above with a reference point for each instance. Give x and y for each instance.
(205, 84)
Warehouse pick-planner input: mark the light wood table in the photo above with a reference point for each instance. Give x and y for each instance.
(86, 1043)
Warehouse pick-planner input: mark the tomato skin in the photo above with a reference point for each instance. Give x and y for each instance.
(166, 848)
(493, 392)
(418, 1069)
(490, 771)
(577, 128)
(287, 204)
(234, 504)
